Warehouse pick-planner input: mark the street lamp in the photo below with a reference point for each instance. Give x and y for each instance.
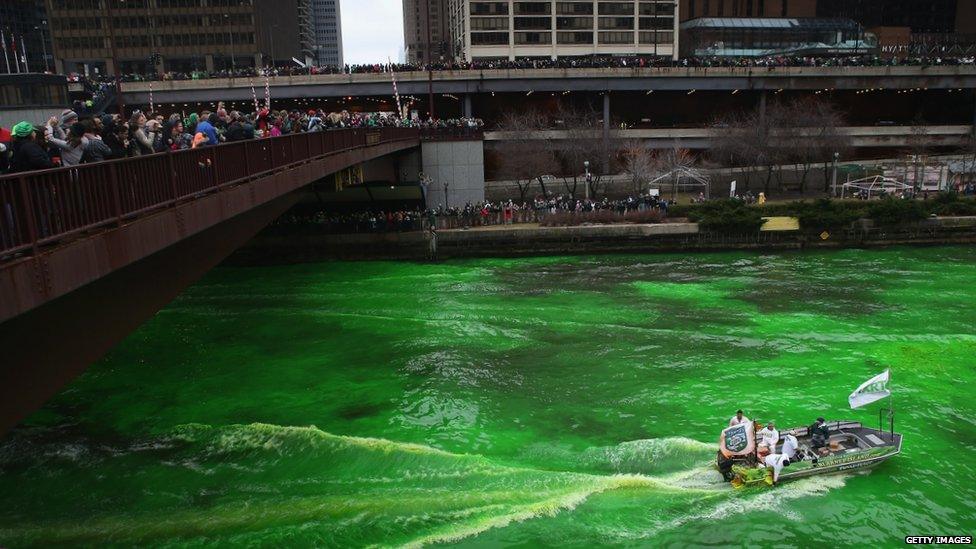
(833, 185)
(586, 164)
(271, 31)
(233, 62)
(47, 67)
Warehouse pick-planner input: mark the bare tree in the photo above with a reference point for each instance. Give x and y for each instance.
(917, 148)
(729, 148)
(639, 163)
(813, 137)
(583, 143)
(803, 132)
(524, 156)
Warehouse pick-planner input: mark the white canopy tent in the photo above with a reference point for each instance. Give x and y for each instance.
(875, 184)
(683, 177)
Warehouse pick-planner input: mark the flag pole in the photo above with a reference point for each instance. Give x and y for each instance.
(891, 409)
(13, 47)
(23, 46)
(3, 41)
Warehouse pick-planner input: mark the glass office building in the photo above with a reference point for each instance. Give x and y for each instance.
(756, 37)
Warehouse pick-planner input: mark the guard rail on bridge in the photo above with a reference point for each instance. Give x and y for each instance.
(45, 207)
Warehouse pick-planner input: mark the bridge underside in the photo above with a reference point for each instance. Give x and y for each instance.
(52, 344)
(63, 308)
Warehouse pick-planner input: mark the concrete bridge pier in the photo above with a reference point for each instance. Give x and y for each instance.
(457, 172)
(467, 106)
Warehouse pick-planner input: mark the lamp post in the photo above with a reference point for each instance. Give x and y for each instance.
(833, 184)
(47, 67)
(113, 51)
(586, 165)
(430, 69)
(233, 62)
(271, 31)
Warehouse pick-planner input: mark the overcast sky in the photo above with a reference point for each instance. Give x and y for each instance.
(372, 30)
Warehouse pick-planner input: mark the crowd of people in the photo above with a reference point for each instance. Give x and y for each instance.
(478, 214)
(590, 62)
(78, 136)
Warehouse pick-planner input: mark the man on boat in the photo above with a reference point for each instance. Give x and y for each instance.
(738, 419)
(790, 446)
(819, 435)
(769, 436)
(776, 462)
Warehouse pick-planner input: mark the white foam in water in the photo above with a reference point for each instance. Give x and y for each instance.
(758, 499)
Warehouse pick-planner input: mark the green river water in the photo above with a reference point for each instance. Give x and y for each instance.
(529, 402)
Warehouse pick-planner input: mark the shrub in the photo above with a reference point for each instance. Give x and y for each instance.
(959, 207)
(891, 211)
(646, 216)
(828, 214)
(727, 216)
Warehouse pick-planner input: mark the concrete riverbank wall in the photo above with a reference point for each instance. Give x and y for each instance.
(529, 240)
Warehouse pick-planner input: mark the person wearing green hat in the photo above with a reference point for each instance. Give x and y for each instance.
(26, 153)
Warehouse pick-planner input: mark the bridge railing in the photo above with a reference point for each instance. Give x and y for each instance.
(47, 206)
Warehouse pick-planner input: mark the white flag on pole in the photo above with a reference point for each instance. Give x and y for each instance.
(871, 390)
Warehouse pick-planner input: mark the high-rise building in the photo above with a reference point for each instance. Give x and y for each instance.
(416, 15)
(24, 26)
(921, 16)
(693, 9)
(551, 29)
(178, 35)
(327, 28)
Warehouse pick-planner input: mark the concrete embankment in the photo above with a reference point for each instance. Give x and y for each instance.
(527, 240)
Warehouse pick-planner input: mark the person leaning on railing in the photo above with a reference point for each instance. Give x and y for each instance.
(26, 153)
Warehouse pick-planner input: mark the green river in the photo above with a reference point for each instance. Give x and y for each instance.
(558, 401)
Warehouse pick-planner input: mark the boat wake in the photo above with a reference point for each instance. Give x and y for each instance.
(279, 485)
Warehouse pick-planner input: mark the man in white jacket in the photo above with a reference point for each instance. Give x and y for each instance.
(777, 462)
(769, 436)
(790, 446)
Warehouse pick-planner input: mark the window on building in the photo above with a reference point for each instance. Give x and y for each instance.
(574, 8)
(617, 37)
(660, 37)
(532, 8)
(533, 23)
(574, 22)
(489, 38)
(489, 23)
(785, 8)
(489, 8)
(574, 37)
(616, 8)
(529, 38)
(616, 23)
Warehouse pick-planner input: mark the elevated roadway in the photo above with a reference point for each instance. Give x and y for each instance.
(559, 80)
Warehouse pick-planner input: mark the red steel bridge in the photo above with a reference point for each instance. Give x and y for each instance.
(88, 253)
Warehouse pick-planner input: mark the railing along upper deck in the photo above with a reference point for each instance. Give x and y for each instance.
(43, 207)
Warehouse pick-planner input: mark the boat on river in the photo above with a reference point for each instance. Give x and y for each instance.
(850, 445)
